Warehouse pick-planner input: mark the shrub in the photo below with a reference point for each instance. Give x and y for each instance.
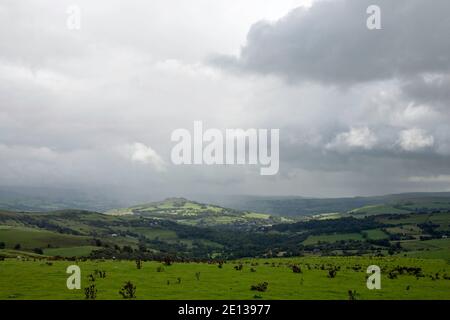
(261, 287)
(239, 267)
(38, 251)
(90, 292)
(160, 269)
(392, 275)
(167, 261)
(352, 295)
(128, 291)
(332, 273)
(296, 269)
(100, 273)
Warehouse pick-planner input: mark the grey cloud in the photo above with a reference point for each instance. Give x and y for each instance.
(68, 101)
(330, 42)
(431, 89)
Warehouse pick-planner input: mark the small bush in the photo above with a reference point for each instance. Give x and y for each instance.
(128, 291)
(100, 273)
(160, 269)
(352, 295)
(38, 251)
(238, 267)
(90, 292)
(261, 287)
(332, 273)
(296, 269)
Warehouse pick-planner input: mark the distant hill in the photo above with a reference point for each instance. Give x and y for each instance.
(47, 199)
(195, 213)
(181, 228)
(300, 206)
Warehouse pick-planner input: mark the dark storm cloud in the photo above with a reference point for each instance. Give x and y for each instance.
(363, 112)
(330, 42)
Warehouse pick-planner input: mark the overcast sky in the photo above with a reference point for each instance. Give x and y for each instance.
(360, 112)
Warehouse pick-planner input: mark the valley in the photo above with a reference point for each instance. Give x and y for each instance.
(184, 237)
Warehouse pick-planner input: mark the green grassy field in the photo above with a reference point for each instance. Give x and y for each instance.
(375, 234)
(30, 238)
(436, 248)
(42, 280)
(378, 209)
(332, 238)
(70, 252)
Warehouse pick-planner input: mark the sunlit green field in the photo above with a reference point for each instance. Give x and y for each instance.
(42, 279)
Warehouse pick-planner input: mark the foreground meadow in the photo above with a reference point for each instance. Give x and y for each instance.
(42, 279)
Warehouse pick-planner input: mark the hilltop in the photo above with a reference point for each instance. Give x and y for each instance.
(194, 213)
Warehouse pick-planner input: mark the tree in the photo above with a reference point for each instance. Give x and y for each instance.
(2, 245)
(38, 251)
(17, 246)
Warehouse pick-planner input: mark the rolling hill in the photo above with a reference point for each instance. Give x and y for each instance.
(188, 212)
(185, 229)
(293, 206)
